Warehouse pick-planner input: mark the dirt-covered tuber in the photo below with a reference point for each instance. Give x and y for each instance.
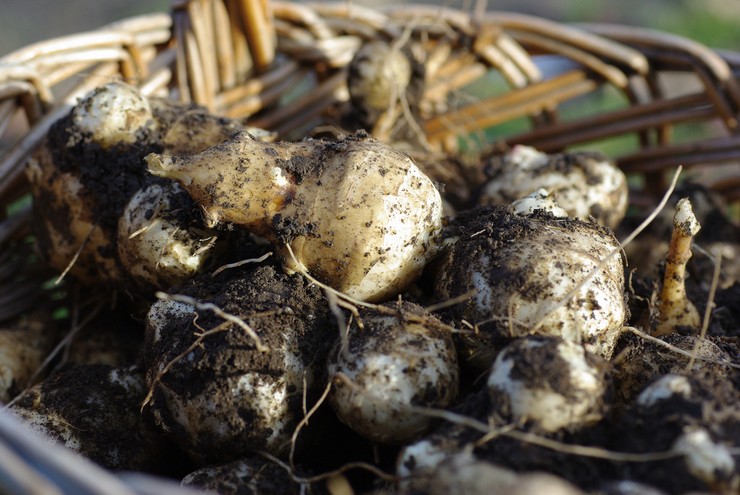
(356, 214)
(532, 273)
(159, 240)
(549, 382)
(94, 410)
(401, 358)
(90, 169)
(215, 389)
(585, 184)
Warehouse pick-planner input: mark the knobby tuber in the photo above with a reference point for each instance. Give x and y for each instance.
(585, 184)
(397, 361)
(356, 214)
(520, 270)
(99, 214)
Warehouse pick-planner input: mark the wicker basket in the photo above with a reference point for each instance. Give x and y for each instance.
(283, 66)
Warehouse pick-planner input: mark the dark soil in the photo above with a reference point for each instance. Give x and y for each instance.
(86, 403)
(110, 175)
(250, 476)
(288, 315)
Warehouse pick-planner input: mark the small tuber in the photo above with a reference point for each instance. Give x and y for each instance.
(395, 362)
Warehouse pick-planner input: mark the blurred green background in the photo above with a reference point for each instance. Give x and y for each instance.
(713, 22)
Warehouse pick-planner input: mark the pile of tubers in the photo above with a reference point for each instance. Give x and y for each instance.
(284, 310)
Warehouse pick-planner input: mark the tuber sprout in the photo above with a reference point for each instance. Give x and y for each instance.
(355, 214)
(675, 308)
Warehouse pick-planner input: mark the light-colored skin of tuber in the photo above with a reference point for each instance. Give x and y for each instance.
(551, 383)
(675, 309)
(584, 184)
(192, 128)
(112, 114)
(356, 214)
(393, 363)
(154, 250)
(540, 199)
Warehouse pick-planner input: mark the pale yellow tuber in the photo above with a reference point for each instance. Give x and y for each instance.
(356, 214)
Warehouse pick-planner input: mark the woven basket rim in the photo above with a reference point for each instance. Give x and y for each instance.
(616, 53)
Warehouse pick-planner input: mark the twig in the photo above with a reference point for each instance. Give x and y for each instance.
(339, 294)
(464, 297)
(548, 443)
(150, 393)
(145, 228)
(76, 256)
(240, 263)
(677, 350)
(218, 312)
(304, 422)
(707, 311)
(320, 477)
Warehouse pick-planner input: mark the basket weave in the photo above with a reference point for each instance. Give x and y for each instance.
(283, 66)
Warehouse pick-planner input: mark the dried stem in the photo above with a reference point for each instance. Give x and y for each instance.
(240, 263)
(304, 422)
(678, 350)
(708, 311)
